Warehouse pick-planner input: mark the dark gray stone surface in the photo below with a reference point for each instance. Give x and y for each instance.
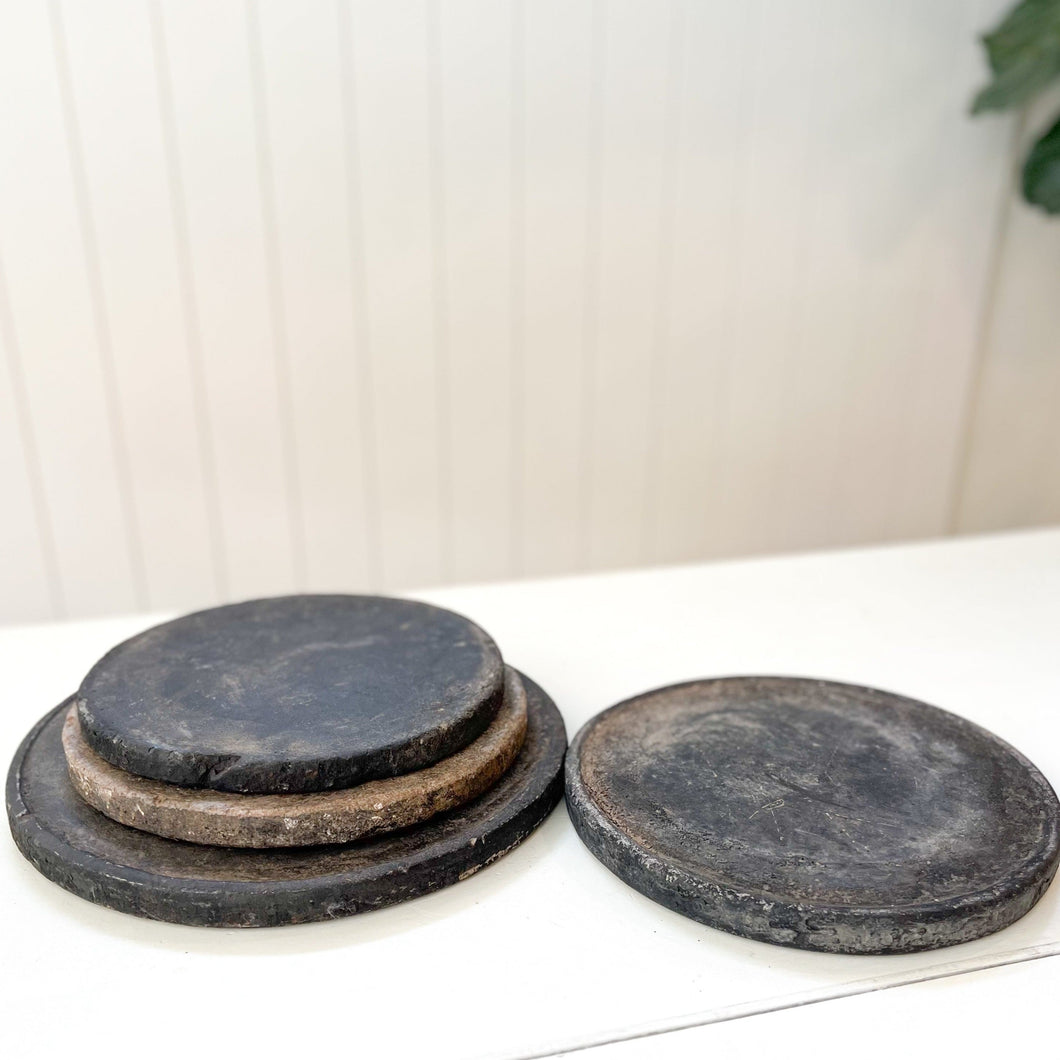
(120, 867)
(293, 694)
(814, 814)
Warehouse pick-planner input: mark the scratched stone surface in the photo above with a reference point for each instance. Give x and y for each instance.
(814, 814)
(113, 865)
(293, 694)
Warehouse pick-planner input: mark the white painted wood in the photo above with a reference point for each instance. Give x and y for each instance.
(390, 70)
(561, 96)
(924, 284)
(314, 289)
(639, 45)
(776, 168)
(375, 295)
(843, 187)
(694, 338)
(244, 359)
(476, 85)
(115, 86)
(839, 289)
(1012, 474)
(32, 588)
(580, 957)
(68, 380)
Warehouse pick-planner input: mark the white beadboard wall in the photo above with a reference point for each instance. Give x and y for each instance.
(377, 295)
(1012, 472)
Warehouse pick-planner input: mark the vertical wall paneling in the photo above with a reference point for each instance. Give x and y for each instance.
(390, 69)
(275, 295)
(822, 349)
(676, 85)
(924, 271)
(51, 316)
(364, 410)
(711, 145)
(558, 71)
(517, 290)
(772, 232)
(32, 589)
(436, 114)
(473, 118)
(1011, 472)
(359, 295)
(114, 84)
(119, 439)
(301, 102)
(205, 441)
(208, 53)
(884, 202)
(637, 53)
(958, 273)
(591, 307)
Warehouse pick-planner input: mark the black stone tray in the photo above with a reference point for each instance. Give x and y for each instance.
(135, 872)
(814, 814)
(293, 694)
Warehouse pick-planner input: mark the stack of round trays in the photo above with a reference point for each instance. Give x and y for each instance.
(287, 760)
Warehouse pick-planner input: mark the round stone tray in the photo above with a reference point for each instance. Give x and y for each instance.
(225, 819)
(293, 694)
(135, 872)
(814, 814)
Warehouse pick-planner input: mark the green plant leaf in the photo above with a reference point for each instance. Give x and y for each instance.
(1024, 55)
(1041, 172)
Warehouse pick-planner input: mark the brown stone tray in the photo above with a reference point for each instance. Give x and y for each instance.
(227, 819)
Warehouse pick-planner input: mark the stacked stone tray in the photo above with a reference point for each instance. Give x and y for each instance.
(287, 760)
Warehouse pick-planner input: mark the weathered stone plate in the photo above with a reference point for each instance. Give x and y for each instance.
(223, 818)
(814, 814)
(126, 869)
(295, 693)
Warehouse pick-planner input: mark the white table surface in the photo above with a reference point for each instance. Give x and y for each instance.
(545, 950)
(1005, 1011)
